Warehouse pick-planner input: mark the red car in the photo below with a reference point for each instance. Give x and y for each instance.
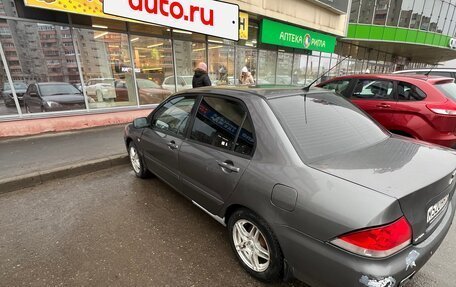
(416, 106)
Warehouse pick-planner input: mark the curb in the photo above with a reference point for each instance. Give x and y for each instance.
(36, 178)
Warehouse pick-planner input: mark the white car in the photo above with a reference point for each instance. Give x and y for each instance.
(443, 72)
(183, 83)
(101, 89)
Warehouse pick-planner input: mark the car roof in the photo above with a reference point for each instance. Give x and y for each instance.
(267, 93)
(397, 77)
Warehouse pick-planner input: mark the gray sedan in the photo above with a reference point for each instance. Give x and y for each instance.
(307, 184)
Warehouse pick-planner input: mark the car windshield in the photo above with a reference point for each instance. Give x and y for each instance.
(146, 84)
(323, 125)
(58, 89)
(17, 86)
(449, 90)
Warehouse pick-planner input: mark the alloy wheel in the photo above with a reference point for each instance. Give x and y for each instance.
(135, 161)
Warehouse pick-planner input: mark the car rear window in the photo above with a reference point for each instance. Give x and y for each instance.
(323, 125)
(448, 89)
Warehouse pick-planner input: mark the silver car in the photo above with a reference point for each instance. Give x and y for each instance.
(307, 184)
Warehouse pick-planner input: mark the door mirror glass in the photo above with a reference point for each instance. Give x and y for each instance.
(140, 123)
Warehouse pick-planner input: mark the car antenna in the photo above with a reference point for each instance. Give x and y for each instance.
(430, 70)
(307, 88)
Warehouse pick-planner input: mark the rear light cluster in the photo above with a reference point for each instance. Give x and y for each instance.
(377, 242)
(442, 110)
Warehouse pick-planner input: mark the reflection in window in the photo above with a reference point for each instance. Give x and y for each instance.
(366, 11)
(300, 67)
(188, 56)
(409, 92)
(403, 14)
(426, 15)
(217, 123)
(284, 66)
(267, 61)
(381, 11)
(373, 90)
(221, 63)
(354, 11)
(173, 116)
(106, 64)
(7, 104)
(245, 57)
(153, 63)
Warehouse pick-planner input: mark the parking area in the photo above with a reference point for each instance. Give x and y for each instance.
(110, 229)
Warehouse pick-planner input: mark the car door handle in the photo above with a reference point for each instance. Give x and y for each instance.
(383, 105)
(228, 164)
(172, 145)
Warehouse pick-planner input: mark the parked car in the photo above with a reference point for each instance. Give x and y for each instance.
(306, 183)
(417, 106)
(442, 72)
(101, 89)
(7, 93)
(149, 92)
(53, 96)
(184, 83)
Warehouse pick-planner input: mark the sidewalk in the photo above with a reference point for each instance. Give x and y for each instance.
(29, 161)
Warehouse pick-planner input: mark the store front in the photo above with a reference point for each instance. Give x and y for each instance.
(117, 64)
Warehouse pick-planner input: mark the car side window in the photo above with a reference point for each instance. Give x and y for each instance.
(173, 116)
(223, 123)
(373, 90)
(32, 89)
(337, 86)
(170, 81)
(409, 92)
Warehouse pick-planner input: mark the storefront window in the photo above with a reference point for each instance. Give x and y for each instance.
(367, 11)
(7, 104)
(42, 54)
(381, 11)
(325, 65)
(221, 63)
(299, 70)
(267, 62)
(313, 66)
(106, 67)
(406, 14)
(153, 58)
(245, 58)
(284, 68)
(188, 56)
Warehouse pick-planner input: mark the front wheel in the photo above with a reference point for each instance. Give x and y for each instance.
(255, 246)
(136, 162)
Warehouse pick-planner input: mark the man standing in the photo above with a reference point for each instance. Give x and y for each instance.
(201, 78)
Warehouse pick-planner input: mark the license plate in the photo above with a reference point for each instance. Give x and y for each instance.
(435, 210)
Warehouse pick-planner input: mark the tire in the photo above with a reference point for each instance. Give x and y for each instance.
(137, 162)
(256, 240)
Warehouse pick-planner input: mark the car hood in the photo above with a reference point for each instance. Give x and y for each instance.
(18, 91)
(415, 173)
(65, 99)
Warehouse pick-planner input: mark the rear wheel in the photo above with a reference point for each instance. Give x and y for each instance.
(255, 246)
(136, 162)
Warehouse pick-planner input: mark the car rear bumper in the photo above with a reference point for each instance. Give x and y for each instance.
(321, 264)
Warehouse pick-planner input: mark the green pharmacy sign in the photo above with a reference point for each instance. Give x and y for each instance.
(280, 34)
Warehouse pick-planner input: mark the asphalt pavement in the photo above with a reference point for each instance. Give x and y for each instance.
(23, 156)
(109, 228)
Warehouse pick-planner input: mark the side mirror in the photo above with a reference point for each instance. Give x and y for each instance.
(33, 94)
(140, 123)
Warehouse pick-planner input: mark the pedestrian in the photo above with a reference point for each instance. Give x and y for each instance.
(246, 77)
(201, 78)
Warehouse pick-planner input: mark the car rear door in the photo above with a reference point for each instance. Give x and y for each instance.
(376, 97)
(161, 142)
(217, 151)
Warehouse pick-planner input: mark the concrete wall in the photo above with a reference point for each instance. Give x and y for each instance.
(300, 12)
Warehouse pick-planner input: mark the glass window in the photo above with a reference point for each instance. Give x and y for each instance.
(313, 66)
(253, 35)
(449, 90)
(284, 66)
(441, 74)
(188, 56)
(246, 140)
(435, 25)
(325, 65)
(354, 11)
(449, 20)
(367, 11)
(300, 67)
(267, 61)
(245, 58)
(373, 90)
(401, 12)
(172, 117)
(345, 127)
(221, 63)
(217, 123)
(381, 11)
(153, 63)
(7, 104)
(409, 92)
(426, 15)
(37, 52)
(337, 86)
(105, 60)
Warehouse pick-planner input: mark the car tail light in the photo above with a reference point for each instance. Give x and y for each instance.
(379, 241)
(442, 110)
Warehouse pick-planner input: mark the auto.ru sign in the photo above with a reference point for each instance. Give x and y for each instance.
(280, 34)
(209, 17)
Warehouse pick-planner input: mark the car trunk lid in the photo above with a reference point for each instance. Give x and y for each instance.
(421, 177)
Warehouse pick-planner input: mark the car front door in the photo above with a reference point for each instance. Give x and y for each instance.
(376, 97)
(216, 152)
(34, 100)
(161, 142)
